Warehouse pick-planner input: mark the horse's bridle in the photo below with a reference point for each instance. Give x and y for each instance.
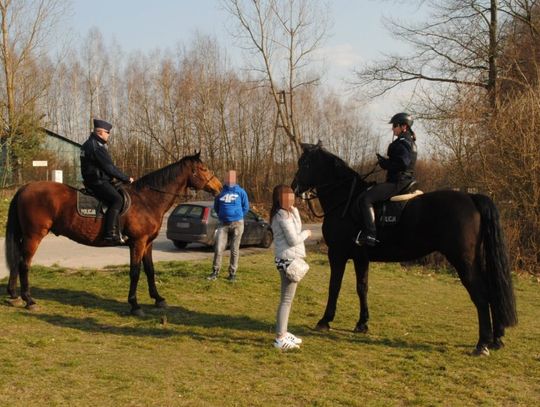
(314, 194)
(207, 181)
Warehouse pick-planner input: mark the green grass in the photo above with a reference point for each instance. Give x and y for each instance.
(4, 207)
(82, 347)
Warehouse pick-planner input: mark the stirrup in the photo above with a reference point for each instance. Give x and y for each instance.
(115, 239)
(365, 239)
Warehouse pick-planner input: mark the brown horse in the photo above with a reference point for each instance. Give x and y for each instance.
(42, 207)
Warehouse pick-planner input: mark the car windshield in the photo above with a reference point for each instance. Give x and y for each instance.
(250, 215)
(189, 211)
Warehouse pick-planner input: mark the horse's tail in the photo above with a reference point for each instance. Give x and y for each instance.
(13, 237)
(494, 261)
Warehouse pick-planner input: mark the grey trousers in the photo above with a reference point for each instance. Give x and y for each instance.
(234, 231)
(288, 289)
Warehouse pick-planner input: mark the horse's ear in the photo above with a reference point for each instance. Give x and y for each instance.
(197, 155)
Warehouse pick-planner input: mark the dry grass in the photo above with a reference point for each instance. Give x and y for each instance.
(214, 349)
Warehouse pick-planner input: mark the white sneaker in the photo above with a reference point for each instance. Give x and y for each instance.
(294, 339)
(285, 344)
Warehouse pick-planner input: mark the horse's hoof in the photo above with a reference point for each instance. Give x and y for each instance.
(361, 328)
(496, 344)
(162, 304)
(15, 302)
(322, 326)
(138, 312)
(32, 307)
(480, 351)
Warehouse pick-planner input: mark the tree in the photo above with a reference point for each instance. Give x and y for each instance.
(457, 46)
(284, 34)
(481, 60)
(25, 27)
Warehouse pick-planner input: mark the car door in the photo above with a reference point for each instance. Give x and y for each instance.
(252, 230)
(248, 225)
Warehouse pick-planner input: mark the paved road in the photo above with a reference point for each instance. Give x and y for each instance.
(61, 251)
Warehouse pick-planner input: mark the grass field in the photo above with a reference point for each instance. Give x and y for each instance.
(212, 347)
(4, 207)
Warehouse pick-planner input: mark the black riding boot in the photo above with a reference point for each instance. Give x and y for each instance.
(111, 227)
(368, 235)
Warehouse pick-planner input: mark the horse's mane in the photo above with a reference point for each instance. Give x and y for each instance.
(338, 161)
(164, 176)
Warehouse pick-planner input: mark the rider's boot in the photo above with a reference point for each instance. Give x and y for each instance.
(368, 235)
(112, 236)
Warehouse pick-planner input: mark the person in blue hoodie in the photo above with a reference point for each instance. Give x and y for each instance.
(231, 205)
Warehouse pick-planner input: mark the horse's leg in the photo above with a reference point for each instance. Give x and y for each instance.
(29, 247)
(14, 300)
(476, 286)
(136, 252)
(148, 264)
(337, 260)
(12, 285)
(498, 331)
(361, 267)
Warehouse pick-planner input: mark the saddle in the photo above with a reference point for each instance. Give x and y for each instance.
(89, 206)
(388, 213)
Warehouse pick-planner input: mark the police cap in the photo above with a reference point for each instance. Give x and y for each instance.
(102, 124)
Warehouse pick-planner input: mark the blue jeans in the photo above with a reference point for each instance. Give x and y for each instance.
(234, 231)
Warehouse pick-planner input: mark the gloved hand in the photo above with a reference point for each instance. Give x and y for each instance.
(382, 161)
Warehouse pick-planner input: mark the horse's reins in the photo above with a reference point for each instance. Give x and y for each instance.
(173, 194)
(315, 195)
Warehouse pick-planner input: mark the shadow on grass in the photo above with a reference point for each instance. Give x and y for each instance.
(90, 324)
(133, 328)
(186, 318)
(175, 314)
(371, 340)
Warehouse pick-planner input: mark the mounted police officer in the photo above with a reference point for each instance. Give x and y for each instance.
(400, 172)
(98, 171)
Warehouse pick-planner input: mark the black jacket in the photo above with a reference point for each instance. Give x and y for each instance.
(401, 159)
(96, 163)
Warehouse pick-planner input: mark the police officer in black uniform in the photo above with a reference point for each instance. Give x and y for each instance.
(400, 172)
(98, 172)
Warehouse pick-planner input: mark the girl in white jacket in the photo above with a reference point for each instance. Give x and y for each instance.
(288, 245)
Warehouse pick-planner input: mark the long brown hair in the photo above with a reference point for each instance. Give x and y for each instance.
(276, 193)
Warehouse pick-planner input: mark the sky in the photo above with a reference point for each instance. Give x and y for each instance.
(356, 36)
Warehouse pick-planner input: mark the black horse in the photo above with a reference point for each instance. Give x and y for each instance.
(463, 227)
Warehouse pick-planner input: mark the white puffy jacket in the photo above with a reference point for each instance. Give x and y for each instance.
(288, 235)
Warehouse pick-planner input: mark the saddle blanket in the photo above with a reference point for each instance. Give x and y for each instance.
(388, 213)
(90, 207)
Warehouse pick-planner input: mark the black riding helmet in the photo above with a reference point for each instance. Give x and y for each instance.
(402, 118)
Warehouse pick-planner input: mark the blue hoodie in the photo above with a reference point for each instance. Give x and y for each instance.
(231, 204)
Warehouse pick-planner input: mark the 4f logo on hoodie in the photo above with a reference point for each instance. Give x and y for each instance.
(228, 198)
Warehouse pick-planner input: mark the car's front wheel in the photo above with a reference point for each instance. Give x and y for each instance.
(179, 244)
(267, 239)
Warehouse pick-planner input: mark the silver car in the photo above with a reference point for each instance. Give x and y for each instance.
(196, 222)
